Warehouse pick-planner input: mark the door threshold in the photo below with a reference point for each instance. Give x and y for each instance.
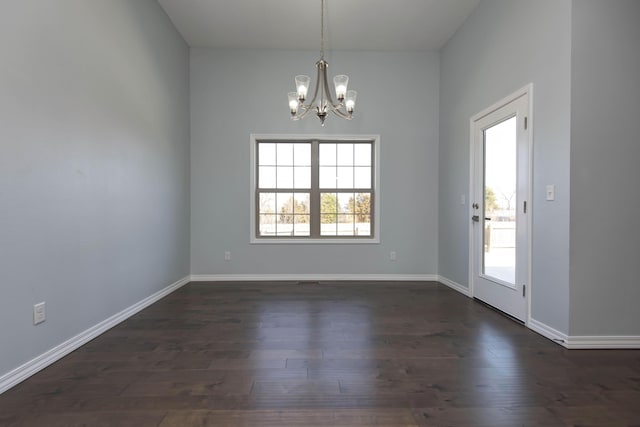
(515, 319)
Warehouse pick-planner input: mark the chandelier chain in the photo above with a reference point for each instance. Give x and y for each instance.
(321, 29)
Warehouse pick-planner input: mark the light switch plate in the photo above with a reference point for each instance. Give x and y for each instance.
(551, 192)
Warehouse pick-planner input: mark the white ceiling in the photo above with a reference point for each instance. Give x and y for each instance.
(295, 24)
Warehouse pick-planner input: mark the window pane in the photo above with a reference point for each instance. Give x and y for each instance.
(267, 177)
(362, 177)
(285, 177)
(285, 154)
(284, 203)
(285, 214)
(302, 177)
(363, 228)
(345, 225)
(346, 220)
(362, 155)
(301, 203)
(302, 154)
(362, 211)
(284, 228)
(327, 154)
(345, 154)
(267, 203)
(301, 225)
(362, 207)
(327, 177)
(267, 154)
(267, 225)
(345, 177)
(329, 205)
(345, 201)
(500, 186)
(328, 226)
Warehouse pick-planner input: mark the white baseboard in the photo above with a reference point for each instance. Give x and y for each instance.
(35, 365)
(548, 332)
(575, 342)
(603, 342)
(329, 277)
(313, 277)
(455, 286)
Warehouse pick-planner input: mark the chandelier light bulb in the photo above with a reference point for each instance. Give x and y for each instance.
(293, 102)
(350, 102)
(340, 82)
(302, 86)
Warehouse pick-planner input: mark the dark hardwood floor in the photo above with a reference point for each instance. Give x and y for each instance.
(328, 354)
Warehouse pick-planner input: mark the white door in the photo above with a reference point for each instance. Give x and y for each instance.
(500, 138)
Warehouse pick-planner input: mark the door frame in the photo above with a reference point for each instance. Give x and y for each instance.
(528, 91)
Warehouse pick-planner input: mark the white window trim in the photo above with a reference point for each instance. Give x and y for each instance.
(254, 138)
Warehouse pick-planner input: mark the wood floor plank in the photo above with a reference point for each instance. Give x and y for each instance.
(327, 354)
(308, 418)
(93, 419)
(486, 417)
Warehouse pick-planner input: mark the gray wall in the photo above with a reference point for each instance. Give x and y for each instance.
(605, 150)
(94, 165)
(504, 45)
(238, 92)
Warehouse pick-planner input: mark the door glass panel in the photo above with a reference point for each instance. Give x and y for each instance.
(499, 256)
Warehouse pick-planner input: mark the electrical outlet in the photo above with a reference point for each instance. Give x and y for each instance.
(227, 255)
(39, 314)
(392, 256)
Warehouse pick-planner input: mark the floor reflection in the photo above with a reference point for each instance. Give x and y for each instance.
(322, 338)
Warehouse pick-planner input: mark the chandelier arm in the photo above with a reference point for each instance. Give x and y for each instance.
(337, 106)
(307, 109)
(341, 113)
(315, 91)
(327, 90)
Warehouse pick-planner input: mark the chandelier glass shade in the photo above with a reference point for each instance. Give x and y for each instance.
(322, 101)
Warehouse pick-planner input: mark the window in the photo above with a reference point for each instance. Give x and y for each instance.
(314, 189)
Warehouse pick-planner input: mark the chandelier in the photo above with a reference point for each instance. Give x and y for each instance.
(322, 101)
